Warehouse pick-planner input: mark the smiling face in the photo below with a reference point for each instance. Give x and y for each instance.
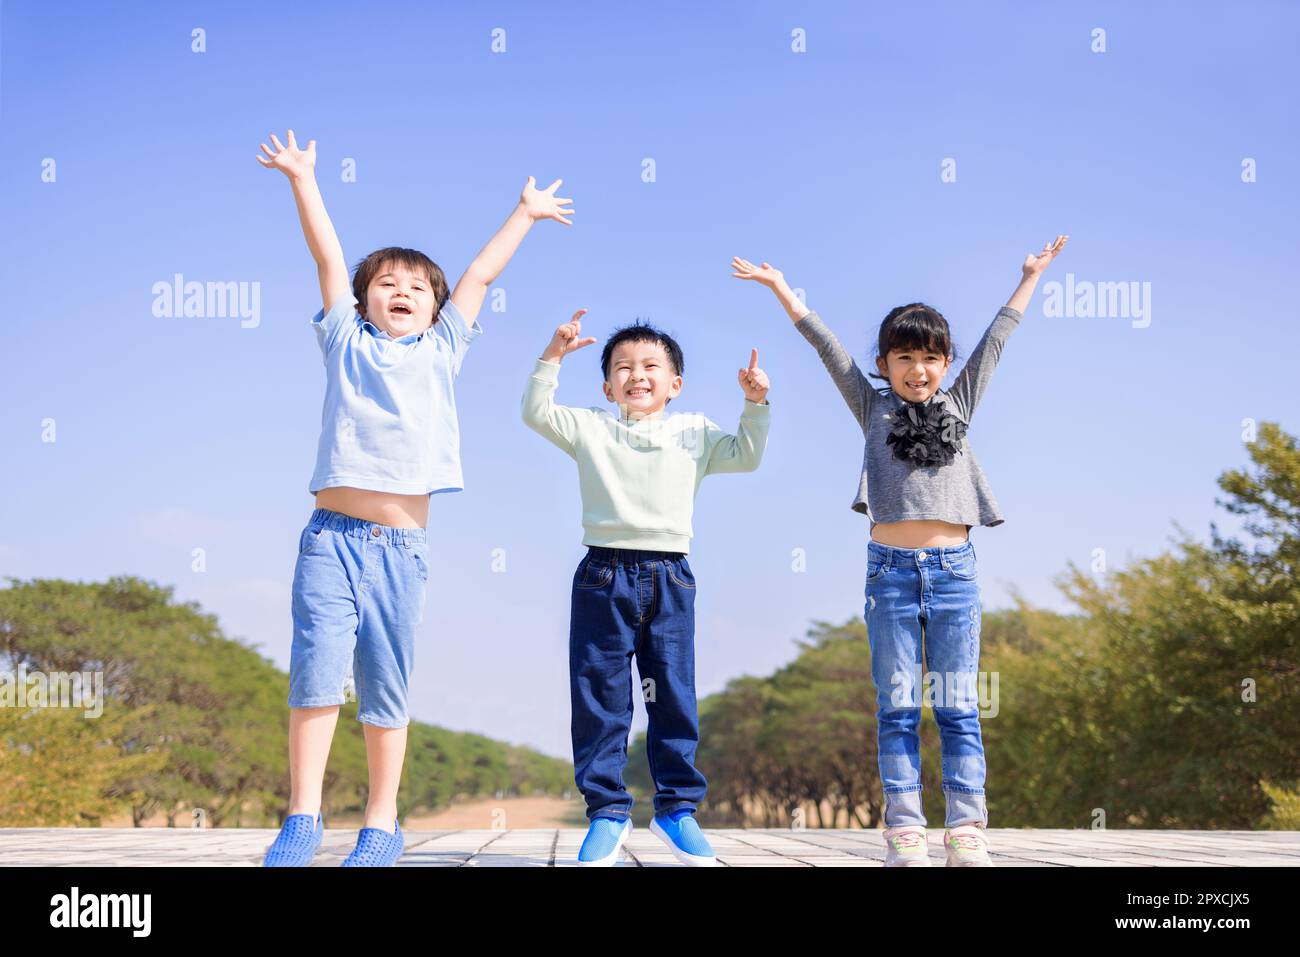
(641, 379)
(400, 301)
(914, 374)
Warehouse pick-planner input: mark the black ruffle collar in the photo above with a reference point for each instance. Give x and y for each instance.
(925, 433)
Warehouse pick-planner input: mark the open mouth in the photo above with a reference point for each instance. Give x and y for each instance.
(637, 393)
(916, 385)
(400, 309)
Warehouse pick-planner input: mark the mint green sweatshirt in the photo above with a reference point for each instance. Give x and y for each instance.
(639, 478)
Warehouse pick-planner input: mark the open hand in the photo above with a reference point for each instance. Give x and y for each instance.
(754, 380)
(1035, 263)
(290, 160)
(566, 339)
(544, 204)
(767, 274)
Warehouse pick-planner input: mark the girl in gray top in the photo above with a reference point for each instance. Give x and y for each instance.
(922, 489)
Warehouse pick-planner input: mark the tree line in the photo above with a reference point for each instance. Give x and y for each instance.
(193, 720)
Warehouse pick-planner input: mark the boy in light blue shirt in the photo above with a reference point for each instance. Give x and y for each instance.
(389, 418)
(393, 338)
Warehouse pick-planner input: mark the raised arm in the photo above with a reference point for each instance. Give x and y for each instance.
(299, 165)
(557, 424)
(743, 451)
(974, 377)
(855, 387)
(534, 204)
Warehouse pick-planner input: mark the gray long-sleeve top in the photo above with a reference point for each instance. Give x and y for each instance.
(892, 490)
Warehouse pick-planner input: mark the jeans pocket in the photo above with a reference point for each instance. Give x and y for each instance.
(310, 536)
(963, 567)
(421, 563)
(594, 573)
(682, 574)
(875, 568)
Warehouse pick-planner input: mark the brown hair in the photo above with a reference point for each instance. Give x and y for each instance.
(417, 262)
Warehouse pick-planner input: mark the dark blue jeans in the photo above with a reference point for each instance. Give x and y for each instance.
(631, 602)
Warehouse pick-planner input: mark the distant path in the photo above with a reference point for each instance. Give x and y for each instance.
(512, 813)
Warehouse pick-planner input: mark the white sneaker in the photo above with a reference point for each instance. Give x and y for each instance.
(907, 846)
(967, 846)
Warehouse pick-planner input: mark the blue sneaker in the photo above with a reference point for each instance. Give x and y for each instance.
(605, 838)
(297, 842)
(684, 838)
(376, 848)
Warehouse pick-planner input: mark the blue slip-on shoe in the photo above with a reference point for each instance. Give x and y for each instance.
(605, 838)
(297, 841)
(376, 848)
(684, 838)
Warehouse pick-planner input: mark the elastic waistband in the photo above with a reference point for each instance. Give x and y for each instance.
(938, 555)
(631, 556)
(362, 528)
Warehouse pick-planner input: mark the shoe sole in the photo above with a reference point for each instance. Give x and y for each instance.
(609, 859)
(392, 863)
(389, 863)
(691, 860)
(905, 862)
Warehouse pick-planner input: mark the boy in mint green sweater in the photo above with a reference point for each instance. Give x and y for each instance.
(633, 592)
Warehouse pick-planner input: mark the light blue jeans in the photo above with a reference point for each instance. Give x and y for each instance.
(358, 595)
(926, 597)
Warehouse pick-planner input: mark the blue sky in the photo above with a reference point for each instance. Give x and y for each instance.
(182, 433)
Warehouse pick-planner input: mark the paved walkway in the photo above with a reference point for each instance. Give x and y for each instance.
(1009, 847)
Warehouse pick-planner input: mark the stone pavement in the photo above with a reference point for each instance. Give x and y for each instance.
(547, 847)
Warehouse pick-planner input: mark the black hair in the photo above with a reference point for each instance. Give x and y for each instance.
(912, 327)
(642, 332)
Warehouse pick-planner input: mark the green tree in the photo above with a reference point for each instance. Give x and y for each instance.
(193, 719)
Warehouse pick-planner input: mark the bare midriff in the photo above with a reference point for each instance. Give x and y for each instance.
(386, 508)
(930, 533)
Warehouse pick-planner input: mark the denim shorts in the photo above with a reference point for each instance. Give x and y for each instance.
(358, 595)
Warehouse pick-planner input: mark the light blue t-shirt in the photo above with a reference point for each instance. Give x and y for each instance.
(389, 419)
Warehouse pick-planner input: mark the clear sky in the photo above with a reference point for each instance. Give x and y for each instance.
(171, 434)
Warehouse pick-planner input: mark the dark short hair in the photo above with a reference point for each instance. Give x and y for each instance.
(915, 326)
(381, 260)
(642, 332)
